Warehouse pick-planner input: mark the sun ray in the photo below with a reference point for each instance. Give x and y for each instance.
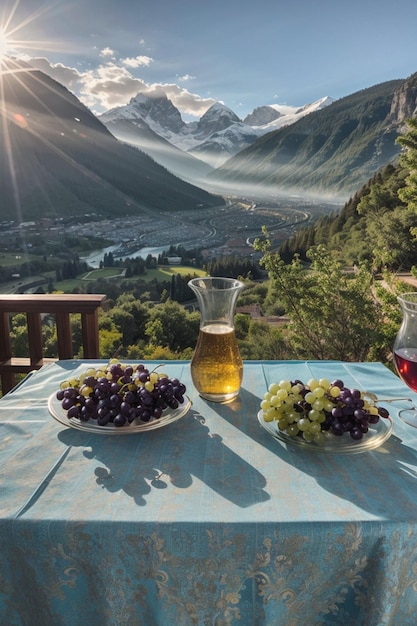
(7, 18)
(14, 47)
(4, 44)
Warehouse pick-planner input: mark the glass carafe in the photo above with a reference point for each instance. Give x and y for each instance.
(405, 350)
(216, 366)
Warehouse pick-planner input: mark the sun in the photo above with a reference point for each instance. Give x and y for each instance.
(15, 32)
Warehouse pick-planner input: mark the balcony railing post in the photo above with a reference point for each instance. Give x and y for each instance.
(63, 331)
(7, 378)
(34, 338)
(89, 324)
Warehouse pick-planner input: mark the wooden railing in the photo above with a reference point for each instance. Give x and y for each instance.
(34, 305)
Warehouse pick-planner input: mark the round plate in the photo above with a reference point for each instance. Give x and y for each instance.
(376, 435)
(168, 417)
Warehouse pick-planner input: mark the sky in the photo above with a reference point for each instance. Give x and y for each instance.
(242, 53)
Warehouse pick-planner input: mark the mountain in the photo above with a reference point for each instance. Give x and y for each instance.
(58, 159)
(221, 134)
(261, 116)
(150, 123)
(329, 153)
(154, 124)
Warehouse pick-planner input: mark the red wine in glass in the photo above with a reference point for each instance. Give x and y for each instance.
(405, 351)
(406, 362)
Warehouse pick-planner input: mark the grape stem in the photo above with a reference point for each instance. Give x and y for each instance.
(375, 398)
(156, 367)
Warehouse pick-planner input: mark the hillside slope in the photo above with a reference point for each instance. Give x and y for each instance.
(329, 153)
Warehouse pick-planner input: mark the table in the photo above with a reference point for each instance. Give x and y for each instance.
(206, 521)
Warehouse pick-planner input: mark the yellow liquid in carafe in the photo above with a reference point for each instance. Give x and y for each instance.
(216, 367)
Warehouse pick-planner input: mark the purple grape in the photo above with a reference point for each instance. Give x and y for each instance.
(114, 400)
(84, 414)
(67, 403)
(119, 420)
(114, 387)
(383, 412)
(73, 412)
(104, 419)
(125, 408)
(337, 429)
(146, 415)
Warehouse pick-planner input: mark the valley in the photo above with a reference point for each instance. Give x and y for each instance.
(219, 231)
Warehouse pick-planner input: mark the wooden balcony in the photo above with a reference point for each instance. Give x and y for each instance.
(34, 305)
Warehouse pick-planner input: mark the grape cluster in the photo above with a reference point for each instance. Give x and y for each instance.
(319, 408)
(120, 394)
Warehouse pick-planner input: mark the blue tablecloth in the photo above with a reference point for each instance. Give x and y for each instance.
(206, 521)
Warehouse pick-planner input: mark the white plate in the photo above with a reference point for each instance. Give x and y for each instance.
(376, 435)
(168, 417)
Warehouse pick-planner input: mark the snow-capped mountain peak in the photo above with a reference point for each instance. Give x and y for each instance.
(218, 135)
(262, 115)
(155, 109)
(290, 114)
(217, 118)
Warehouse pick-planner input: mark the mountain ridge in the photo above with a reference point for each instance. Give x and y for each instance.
(62, 160)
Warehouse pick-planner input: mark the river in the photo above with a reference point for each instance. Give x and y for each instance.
(94, 258)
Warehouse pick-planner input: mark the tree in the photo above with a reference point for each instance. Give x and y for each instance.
(263, 342)
(170, 325)
(125, 323)
(334, 315)
(408, 159)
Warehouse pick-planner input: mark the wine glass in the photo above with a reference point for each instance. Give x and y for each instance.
(405, 350)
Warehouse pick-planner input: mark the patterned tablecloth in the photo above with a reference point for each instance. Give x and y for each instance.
(208, 521)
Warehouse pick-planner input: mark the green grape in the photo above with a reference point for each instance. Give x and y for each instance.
(304, 423)
(293, 430)
(319, 409)
(283, 424)
(308, 436)
(319, 438)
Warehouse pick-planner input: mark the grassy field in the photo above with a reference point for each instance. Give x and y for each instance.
(8, 259)
(105, 272)
(163, 273)
(166, 272)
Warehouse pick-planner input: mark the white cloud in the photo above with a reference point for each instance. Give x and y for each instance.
(186, 77)
(111, 84)
(107, 52)
(137, 61)
(189, 103)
